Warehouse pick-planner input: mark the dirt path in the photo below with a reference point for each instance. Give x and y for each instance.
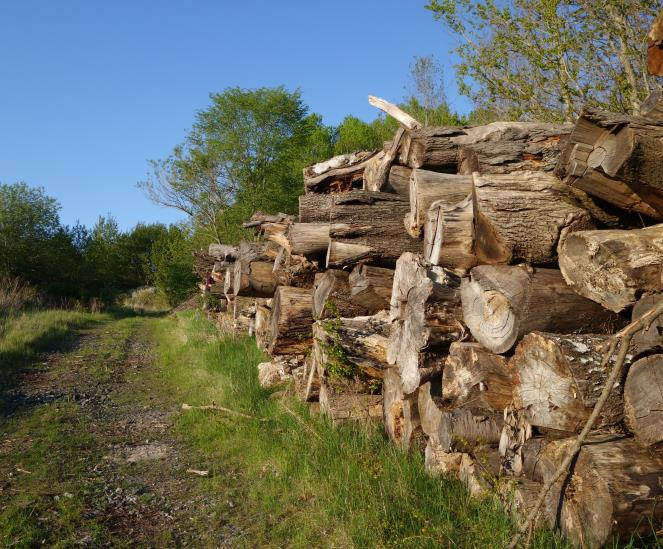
(88, 456)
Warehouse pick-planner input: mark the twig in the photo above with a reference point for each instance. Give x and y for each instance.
(198, 472)
(301, 421)
(216, 408)
(623, 337)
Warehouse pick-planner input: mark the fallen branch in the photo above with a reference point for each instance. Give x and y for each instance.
(198, 472)
(301, 421)
(216, 408)
(623, 338)
(388, 159)
(403, 118)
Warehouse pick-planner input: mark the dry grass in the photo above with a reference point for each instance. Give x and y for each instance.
(16, 295)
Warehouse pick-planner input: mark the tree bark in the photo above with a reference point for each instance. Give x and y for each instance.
(559, 378)
(371, 287)
(401, 416)
(617, 158)
(427, 187)
(340, 402)
(613, 490)
(502, 303)
(290, 328)
(643, 399)
(649, 340)
(613, 267)
(332, 296)
(315, 207)
(339, 174)
(426, 316)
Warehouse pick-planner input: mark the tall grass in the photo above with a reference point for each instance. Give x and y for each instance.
(16, 295)
(303, 481)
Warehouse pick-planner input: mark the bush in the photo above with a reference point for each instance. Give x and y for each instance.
(16, 295)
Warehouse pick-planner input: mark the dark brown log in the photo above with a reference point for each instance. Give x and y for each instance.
(291, 325)
(613, 491)
(371, 287)
(449, 235)
(643, 399)
(315, 207)
(368, 227)
(401, 416)
(652, 107)
(426, 316)
(332, 296)
(474, 375)
(502, 303)
(655, 47)
(649, 340)
(339, 174)
(617, 158)
(559, 378)
(340, 401)
(427, 187)
(520, 217)
(613, 267)
(263, 322)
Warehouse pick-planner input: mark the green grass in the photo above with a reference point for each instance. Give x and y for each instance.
(347, 487)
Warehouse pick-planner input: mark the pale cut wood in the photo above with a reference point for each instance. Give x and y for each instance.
(649, 340)
(474, 375)
(427, 187)
(263, 322)
(254, 278)
(380, 172)
(614, 267)
(340, 402)
(502, 303)
(312, 391)
(426, 316)
(371, 287)
(291, 324)
(338, 174)
(228, 285)
(332, 296)
(652, 107)
(643, 399)
(403, 118)
(315, 207)
(243, 312)
(306, 239)
(513, 441)
(449, 235)
(614, 490)
(401, 416)
(441, 463)
(398, 180)
(520, 217)
(559, 379)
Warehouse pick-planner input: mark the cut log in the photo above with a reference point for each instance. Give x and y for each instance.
(613, 267)
(617, 158)
(648, 340)
(643, 399)
(371, 287)
(380, 170)
(332, 296)
(655, 47)
(228, 281)
(519, 496)
(474, 375)
(559, 378)
(340, 402)
(403, 118)
(652, 107)
(315, 207)
(515, 436)
(427, 187)
(291, 324)
(263, 322)
(258, 219)
(339, 174)
(312, 391)
(223, 252)
(401, 416)
(520, 217)
(441, 463)
(426, 316)
(244, 312)
(398, 180)
(449, 235)
(480, 471)
(253, 271)
(502, 303)
(613, 491)
(294, 270)
(367, 226)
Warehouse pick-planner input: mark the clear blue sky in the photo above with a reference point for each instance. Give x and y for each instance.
(90, 90)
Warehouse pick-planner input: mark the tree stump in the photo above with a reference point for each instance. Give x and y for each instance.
(291, 324)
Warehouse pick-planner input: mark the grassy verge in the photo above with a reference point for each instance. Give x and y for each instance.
(300, 485)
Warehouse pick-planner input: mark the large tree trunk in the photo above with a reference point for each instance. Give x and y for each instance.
(339, 174)
(617, 158)
(426, 316)
(401, 416)
(449, 235)
(474, 375)
(502, 303)
(520, 217)
(643, 399)
(559, 379)
(428, 187)
(613, 267)
(290, 329)
(332, 296)
(340, 402)
(315, 207)
(368, 226)
(371, 287)
(614, 489)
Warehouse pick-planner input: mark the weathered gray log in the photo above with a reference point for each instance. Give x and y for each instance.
(306, 239)
(502, 303)
(398, 180)
(254, 278)
(427, 187)
(312, 390)
(339, 174)
(559, 378)
(474, 375)
(441, 463)
(426, 315)
(617, 158)
(520, 217)
(263, 322)
(371, 287)
(652, 107)
(341, 402)
(613, 267)
(223, 252)
(649, 340)
(315, 207)
(258, 219)
(368, 227)
(403, 118)
(243, 312)
(401, 416)
(516, 433)
(332, 296)
(291, 323)
(643, 399)
(613, 491)
(480, 471)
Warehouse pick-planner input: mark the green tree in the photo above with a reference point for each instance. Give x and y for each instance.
(171, 257)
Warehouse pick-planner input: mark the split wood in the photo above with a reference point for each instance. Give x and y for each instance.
(216, 408)
(623, 338)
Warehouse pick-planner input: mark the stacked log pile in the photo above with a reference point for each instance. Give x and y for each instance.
(462, 285)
